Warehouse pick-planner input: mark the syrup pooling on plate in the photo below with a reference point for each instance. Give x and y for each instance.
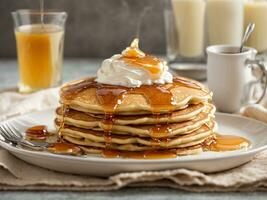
(228, 143)
(220, 143)
(65, 148)
(37, 133)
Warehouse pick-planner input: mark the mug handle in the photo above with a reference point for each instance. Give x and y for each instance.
(263, 76)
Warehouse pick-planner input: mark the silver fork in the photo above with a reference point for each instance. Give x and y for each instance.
(12, 135)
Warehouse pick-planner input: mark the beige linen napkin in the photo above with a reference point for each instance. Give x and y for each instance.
(13, 103)
(256, 111)
(16, 174)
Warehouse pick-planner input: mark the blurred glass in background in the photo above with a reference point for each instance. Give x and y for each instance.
(39, 39)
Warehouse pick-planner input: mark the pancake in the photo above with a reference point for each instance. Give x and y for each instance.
(192, 150)
(101, 137)
(155, 153)
(100, 99)
(159, 131)
(135, 148)
(138, 113)
(129, 147)
(93, 120)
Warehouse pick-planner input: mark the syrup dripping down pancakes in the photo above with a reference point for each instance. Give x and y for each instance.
(170, 119)
(135, 108)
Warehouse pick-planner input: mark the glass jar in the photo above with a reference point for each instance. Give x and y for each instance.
(225, 22)
(40, 41)
(185, 36)
(256, 11)
(189, 26)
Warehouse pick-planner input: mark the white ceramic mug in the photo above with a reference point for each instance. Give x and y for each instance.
(230, 78)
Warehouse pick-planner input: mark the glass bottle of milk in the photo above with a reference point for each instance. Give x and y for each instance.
(185, 33)
(225, 22)
(256, 11)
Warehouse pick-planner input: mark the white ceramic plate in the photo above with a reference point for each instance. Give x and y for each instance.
(253, 130)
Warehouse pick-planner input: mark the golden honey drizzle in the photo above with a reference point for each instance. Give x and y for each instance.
(65, 110)
(135, 57)
(110, 97)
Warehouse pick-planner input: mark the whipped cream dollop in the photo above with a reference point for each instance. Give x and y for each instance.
(133, 68)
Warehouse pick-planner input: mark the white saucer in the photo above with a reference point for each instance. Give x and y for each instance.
(251, 129)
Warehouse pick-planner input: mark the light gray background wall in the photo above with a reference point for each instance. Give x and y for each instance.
(95, 28)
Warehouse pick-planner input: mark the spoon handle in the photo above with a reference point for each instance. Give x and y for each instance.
(248, 32)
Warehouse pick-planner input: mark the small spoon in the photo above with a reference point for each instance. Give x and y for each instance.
(248, 32)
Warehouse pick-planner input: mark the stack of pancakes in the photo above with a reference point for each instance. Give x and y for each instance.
(103, 118)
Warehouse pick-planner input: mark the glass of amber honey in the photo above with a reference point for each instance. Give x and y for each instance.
(40, 40)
